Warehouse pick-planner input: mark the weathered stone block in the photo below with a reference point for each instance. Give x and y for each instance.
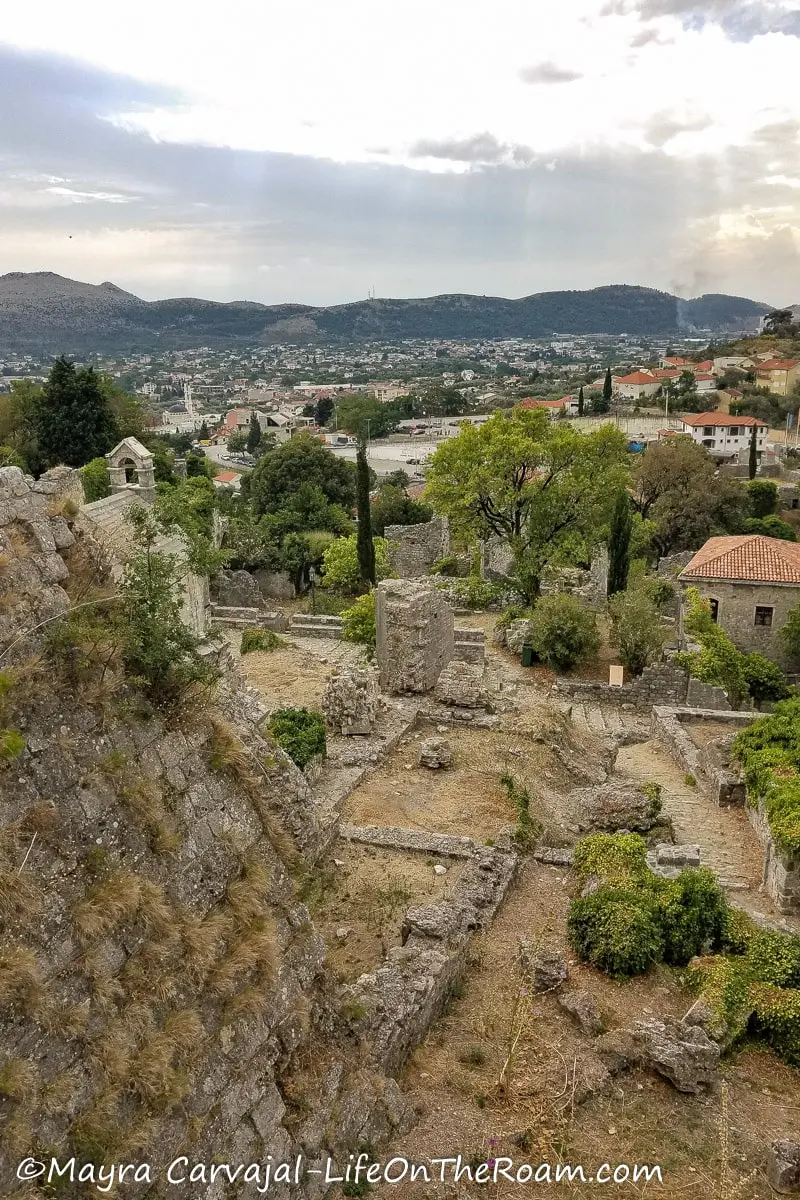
(414, 634)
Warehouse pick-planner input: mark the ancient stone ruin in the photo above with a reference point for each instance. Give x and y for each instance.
(350, 701)
(414, 626)
(413, 549)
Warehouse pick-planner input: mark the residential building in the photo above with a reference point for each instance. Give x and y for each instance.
(639, 385)
(723, 435)
(680, 364)
(739, 361)
(228, 479)
(566, 406)
(705, 382)
(779, 375)
(751, 583)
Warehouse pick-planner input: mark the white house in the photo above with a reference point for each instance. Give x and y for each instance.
(638, 385)
(723, 435)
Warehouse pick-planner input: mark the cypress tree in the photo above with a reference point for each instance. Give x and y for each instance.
(580, 402)
(366, 546)
(753, 463)
(74, 423)
(619, 544)
(608, 390)
(253, 434)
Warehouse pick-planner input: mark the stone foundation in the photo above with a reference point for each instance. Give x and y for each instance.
(350, 701)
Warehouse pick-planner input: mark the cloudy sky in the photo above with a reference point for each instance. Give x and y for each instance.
(314, 150)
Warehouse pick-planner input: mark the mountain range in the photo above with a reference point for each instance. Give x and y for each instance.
(44, 312)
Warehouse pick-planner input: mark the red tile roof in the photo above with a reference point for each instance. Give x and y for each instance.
(712, 418)
(779, 364)
(226, 476)
(531, 402)
(637, 377)
(750, 558)
(705, 365)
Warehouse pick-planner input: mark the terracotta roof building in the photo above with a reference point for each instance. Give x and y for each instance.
(723, 435)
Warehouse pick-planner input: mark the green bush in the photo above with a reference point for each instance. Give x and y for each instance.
(775, 958)
(96, 480)
(528, 829)
(300, 732)
(445, 566)
(636, 629)
(474, 592)
(693, 913)
(739, 931)
(725, 987)
(612, 857)
(765, 680)
(617, 929)
(777, 1019)
(511, 613)
(340, 563)
(563, 632)
(260, 639)
(358, 622)
(12, 743)
(769, 751)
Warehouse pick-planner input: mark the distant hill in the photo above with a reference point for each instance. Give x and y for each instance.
(41, 311)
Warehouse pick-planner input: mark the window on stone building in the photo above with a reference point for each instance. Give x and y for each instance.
(763, 615)
(708, 431)
(714, 606)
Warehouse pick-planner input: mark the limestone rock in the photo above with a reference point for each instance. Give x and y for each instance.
(783, 1166)
(517, 635)
(613, 805)
(582, 1007)
(237, 589)
(617, 1050)
(435, 752)
(350, 701)
(683, 1054)
(545, 967)
(460, 685)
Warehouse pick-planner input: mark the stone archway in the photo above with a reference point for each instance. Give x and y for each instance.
(131, 468)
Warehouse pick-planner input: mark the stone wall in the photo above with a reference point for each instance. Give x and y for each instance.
(706, 695)
(737, 604)
(414, 625)
(719, 783)
(413, 549)
(781, 874)
(350, 701)
(659, 683)
(497, 561)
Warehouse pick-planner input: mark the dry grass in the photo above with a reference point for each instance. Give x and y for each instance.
(63, 506)
(145, 798)
(20, 897)
(256, 951)
(107, 904)
(247, 896)
(203, 938)
(18, 1079)
(20, 978)
(154, 1073)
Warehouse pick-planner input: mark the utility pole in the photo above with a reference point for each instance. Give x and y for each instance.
(368, 423)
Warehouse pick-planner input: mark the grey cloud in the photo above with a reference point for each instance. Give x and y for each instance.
(280, 227)
(480, 149)
(741, 20)
(665, 126)
(548, 72)
(647, 37)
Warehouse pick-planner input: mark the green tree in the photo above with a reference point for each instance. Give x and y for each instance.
(74, 423)
(752, 462)
(203, 432)
(563, 633)
(543, 487)
(763, 495)
(126, 409)
(718, 661)
(365, 545)
(392, 506)
(636, 629)
(790, 633)
(302, 460)
(772, 527)
(619, 544)
(160, 652)
(580, 402)
(780, 323)
(237, 442)
(341, 566)
(677, 488)
(602, 403)
(323, 410)
(358, 622)
(96, 480)
(253, 434)
(18, 424)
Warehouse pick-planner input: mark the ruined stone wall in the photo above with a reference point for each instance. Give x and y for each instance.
(497, 561)
(413, 549)
(414, 626)
(159, 978)
(659, 683)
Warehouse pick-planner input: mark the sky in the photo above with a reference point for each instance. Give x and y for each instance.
(318, 151)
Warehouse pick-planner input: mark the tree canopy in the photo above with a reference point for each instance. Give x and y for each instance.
(543, 487)
(301, 462)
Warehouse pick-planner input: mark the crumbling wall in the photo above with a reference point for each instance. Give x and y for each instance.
(497, 561)
(414, 626)
(413, 549)
(350, 701)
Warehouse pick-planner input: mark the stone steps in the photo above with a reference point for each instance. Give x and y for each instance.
(309, 625)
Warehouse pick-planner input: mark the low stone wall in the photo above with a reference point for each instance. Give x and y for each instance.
(311, 625)
(706, 695)
(719, 784)
(781, 875)
(469, 645)
(404, 996)
(247, 618)
(660, 683)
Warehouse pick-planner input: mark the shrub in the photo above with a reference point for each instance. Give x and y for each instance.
(260, 639)
(12, 743)
(340, 563)
(445, 566)
(765, 679)
(775, 958)
(300, 732)
(777, 1019)
(769, 751)
(527, 830)
(96, 480)
(693, 910)
(358, 622)
(563, 632)
(511, 613)
(617, 929)
(739, 929)
(725, 986)
(613, 857)
(718, 661)
(636, 629)
(790, 633)
(474, 592)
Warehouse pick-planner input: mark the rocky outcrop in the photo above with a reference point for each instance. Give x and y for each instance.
(435, 752)
(684, 1054)
(582, 1007)
(783, 1166)
(613, 805)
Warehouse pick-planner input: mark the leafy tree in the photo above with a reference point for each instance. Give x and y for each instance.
(619, 544)
(18, 424)
(772, 527)
(358, 622)
(159, 650)
(602, 403)
(718, 661)
(676, 486)
(323, 410)
(544, 488)
(780, 323)
(396, 479)
(763, 495)
(636, 629)
(765, 679)
(365, 545)
(302, 460)
(341, 566)
(203, 432)
(188, 504)
(253, 434)
(790, 633)
(126, 409)
(752, 462)
(392, 506)
(96, 480)
(563, 633)
(74, 423)
(198, 464)
(237, 442)
(580, 402)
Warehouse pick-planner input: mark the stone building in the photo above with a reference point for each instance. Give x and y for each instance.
(751, 583)
(414, 625)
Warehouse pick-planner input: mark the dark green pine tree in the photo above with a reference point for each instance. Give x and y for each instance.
(752, 466)
(366, 546)
(580, 402)
(253, 434)
(203, 433)
(608, 391)
(74, 423)
(619, 544)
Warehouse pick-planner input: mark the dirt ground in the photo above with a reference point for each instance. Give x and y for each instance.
(454, 1079)
(365, 891)
(294, 675)
(703, 732)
